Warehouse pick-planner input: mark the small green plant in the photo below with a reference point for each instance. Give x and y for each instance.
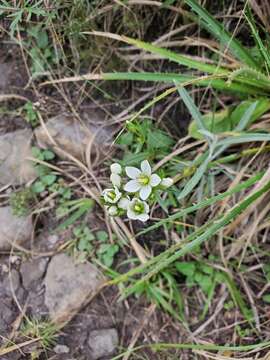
(143, 140)
(31, 115)
(87, 244)
(43, 330)
(41, 49)
(46, 177)
(22, 201)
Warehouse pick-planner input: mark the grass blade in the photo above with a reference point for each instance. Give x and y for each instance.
(196, 239)
(218, 31)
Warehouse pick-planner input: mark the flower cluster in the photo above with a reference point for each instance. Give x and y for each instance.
(130, 197)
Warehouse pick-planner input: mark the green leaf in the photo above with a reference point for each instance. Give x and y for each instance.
(42, 39)
(157, 139)
(48, 155)
(49, 179)
(205, 283)
(186, 268)
(228, 119)
(36, 152)
(102, 236)
(125, 139)
(38, 187)
(266, 298)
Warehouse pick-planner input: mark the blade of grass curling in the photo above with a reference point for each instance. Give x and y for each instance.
(173, 253)
(244, 185)
(218, 31)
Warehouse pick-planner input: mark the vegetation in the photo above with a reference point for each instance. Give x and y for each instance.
(195, 246)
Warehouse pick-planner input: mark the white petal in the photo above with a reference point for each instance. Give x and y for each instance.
(115, 179)
(143, 217)
(131, 214)
(132, 186)
(113, 210)
(145, 192)
(146, 168)
(155, 180)
(146, 207)
(167, 182)
(116, 168)
(132, 172)
(123, 203)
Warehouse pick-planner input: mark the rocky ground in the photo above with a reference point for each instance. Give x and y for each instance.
(38, 281)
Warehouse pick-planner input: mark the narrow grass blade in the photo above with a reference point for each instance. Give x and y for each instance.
(195, 239)
(218, 31)
(215, 82)
(245, 119)
(263, 50)
(179, 59)
(244, 185)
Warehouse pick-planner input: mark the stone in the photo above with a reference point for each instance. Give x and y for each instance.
(61, 349)
(32, 271)
(13, 229)
(103, 343)
(66, 135)
(15, 149)
(10, 283)
(68, 285)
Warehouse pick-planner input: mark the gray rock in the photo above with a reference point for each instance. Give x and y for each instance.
(103, 343)
(61, 349)
(32, 271)
(68, 285)
(70, 136)
(10, 283)
(15, 148)
(13, 229)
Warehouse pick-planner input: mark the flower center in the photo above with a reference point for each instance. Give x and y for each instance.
(111, 195)
(138, 208)
(144, 179)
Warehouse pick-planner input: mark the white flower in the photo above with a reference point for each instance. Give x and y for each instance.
(166, 182)
(138, 210)
(111, 195)
(142, 180)
(116, 168)
(115, 177)
(123, 203)
(112, 210)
